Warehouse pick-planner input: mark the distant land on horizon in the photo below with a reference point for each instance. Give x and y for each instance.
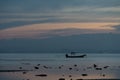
(84, 43)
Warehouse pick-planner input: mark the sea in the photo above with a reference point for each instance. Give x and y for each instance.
(55, 66)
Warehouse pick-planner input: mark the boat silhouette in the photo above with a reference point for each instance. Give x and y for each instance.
(75, 56)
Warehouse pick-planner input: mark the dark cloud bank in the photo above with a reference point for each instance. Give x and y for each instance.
(88, 43)
(43, 5)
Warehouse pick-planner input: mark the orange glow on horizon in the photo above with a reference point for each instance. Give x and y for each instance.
(35, 30)
(54, 26)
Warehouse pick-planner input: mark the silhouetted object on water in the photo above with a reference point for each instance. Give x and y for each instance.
(71, 56)
(75, 65)
(79, 79)
(24, 72)
(45, 67)
(20, 67)
(13, 70)
(103, 75)
(59, 67)
(98, 68)
(70, 68)
(72, 53)
(36, 67)
(61, 78)
(42, 75)
(105, 67)
(84, 74)
(94, 65)
(70, 75)
(38, 64)
(71, 79)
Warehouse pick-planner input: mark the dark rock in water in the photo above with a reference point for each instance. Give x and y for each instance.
(13, 70)
(24, 72)
(20, 67)
(61, 79)
(79, 79)
(71, 79)
(45, 67)
(75, 65)
(60, 67)
(105, 67)
(42, 75)
(103, 75)
(70, 75)
(94, 65)
(38, 64)
(70, 68)
(84, 74)
(36, 67)
(98, 68)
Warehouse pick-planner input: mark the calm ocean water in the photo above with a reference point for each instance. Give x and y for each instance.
(28, 61)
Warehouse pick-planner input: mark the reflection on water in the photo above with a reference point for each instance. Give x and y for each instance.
(55, 66)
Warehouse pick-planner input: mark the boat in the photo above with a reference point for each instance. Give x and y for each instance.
(75, 56)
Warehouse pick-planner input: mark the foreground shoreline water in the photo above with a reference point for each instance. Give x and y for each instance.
(56, 66)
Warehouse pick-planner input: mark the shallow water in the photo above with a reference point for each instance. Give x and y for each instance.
(59, 67)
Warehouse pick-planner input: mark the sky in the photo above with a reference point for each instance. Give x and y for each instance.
(43, 19)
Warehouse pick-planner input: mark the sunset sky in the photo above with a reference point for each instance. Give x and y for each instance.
(26, 21)
(42, 18)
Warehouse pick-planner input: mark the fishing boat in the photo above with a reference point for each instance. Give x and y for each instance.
(75, 56)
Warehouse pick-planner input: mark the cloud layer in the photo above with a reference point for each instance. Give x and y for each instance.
(60, 10)
(28, 18)
(57, 29)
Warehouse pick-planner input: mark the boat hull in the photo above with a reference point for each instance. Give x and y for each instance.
(81, 56)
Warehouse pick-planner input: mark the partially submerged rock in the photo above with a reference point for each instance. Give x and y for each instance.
(61, 79)
(105, 67)
(70, 68)
(24, 72)
(42, 75)
(98, 68)
(79, 79)
(36, 67)
(13, 70)
(84, 74)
